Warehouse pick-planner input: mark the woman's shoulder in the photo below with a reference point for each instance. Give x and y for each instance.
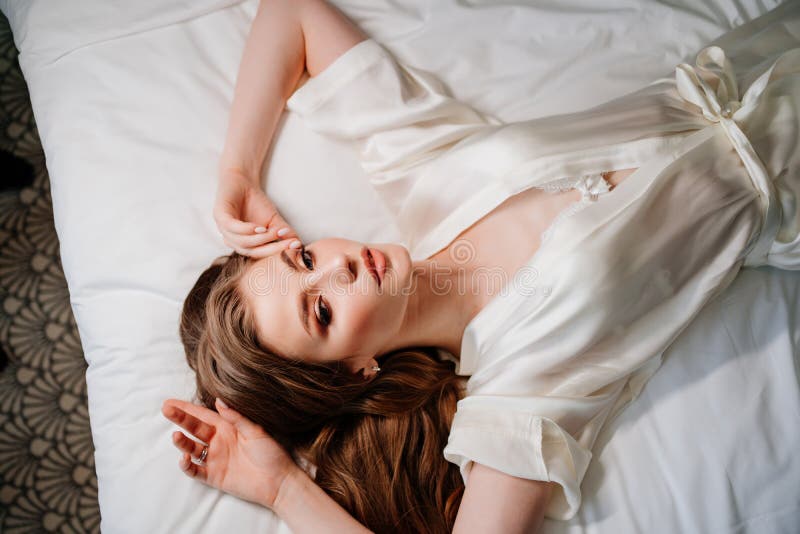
(445, 356)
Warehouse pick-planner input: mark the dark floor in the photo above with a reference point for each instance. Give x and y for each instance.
(47, 477)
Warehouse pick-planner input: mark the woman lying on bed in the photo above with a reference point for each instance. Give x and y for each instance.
(617, 225)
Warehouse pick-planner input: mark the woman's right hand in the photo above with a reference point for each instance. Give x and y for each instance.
(242, 459)
(246, 217)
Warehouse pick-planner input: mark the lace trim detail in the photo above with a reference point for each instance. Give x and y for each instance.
(560, 185)
(590, 185)
(593, 185)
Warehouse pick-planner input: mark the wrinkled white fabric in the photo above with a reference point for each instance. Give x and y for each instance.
(578, 330)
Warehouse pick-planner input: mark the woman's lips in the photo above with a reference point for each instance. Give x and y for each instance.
(375, 262)
(369, 263)
(379, 261)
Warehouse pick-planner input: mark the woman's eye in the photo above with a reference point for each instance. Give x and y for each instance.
(324, 313)
(306, 255)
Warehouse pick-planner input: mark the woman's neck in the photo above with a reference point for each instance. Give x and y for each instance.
(439, 308)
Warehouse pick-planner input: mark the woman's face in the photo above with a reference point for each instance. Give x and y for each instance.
(329, 283)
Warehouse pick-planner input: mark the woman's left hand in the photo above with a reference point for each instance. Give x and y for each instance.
(247, 218)
(242, 459)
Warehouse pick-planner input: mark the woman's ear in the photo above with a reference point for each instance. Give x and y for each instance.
(368, 369)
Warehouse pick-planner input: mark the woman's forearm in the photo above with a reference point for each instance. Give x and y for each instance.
(496, 502)
(287, 38)
(272, 63)
(305, 507)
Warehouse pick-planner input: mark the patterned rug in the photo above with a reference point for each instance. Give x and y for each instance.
(47, 476)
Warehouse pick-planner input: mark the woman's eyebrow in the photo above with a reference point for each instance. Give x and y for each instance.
(288, 261)
(302, 301)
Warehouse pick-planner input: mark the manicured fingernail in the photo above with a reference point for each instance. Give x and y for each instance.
(260, 230)
(222, 404)
(283, 231)
(294, 244)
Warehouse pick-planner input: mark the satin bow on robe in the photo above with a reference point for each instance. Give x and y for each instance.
(724, 107)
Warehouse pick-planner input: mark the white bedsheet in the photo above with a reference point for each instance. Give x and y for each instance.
(131, 102)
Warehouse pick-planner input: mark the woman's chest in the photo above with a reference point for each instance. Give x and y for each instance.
(486, 255)
(489, 252)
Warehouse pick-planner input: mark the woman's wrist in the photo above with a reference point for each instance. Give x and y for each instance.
(290, 487)
(305, 507)
(238, 173)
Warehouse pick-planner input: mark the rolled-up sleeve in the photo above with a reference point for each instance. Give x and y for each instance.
(523, 445)
(547, 438)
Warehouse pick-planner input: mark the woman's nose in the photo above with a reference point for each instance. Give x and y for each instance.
(343, 269)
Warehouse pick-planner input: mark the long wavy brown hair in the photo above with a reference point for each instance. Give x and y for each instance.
(376, 444)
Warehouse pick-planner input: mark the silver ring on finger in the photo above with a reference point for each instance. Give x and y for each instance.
(201, 460)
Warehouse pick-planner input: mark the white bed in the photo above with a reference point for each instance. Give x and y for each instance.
(131, 102)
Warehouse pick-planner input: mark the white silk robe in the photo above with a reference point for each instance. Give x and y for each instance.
(575, 334)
